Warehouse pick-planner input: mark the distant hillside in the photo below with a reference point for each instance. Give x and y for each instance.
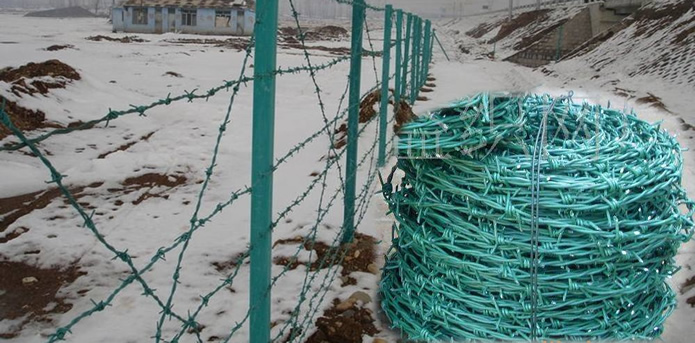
(66, 12)
(656, 41)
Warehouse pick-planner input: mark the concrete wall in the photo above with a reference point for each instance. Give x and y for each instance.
(241, 23)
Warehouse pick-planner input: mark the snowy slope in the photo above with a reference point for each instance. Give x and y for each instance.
(175, 142)
(657, 42)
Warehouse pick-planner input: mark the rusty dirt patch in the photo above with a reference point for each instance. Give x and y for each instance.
(359, 255)
(155, 185)
(31, 294)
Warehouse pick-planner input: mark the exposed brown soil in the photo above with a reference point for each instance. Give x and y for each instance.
(23, 118)
(358, 255)
(226, 267)
(126, 146)
(367, 111)
(404, 114)
(60, 47)
(686, 287)
(152, 181)
(482, 29)
(652, 100)
(31, 292)
(20, 78)
(520, 21)
(343, 326)
(125, 39)
(335, 51)
(322, 33)
(15, 207)
(59, 71)
(685, 126)
(173, 74)
(320, 249)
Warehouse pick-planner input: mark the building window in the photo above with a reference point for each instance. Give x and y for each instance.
(223, 18)
(189, 17)
(139, 16)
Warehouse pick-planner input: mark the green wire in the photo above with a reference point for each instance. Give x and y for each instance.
(610, 216)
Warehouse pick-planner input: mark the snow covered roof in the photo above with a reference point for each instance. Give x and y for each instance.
(186, 3)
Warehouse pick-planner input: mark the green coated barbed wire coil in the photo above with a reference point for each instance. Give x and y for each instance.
(532, 217)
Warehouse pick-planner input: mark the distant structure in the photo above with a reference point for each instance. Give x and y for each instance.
(213, 17)
(65, 12)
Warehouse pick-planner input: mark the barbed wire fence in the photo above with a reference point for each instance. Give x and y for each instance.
(412, 60)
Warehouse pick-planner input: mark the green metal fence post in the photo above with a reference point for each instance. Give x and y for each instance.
(427, 52)
(265, 59)
(440, 45)
(414, 75)
(406, 54)
(358, 11)
(385, 76)
(399, 55)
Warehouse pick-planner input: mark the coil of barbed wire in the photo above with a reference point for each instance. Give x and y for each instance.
(525, 217)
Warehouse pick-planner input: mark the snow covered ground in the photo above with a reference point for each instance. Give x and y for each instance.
(116, 75)
(180, 140)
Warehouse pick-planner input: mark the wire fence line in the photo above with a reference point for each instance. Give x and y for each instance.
(262, 47)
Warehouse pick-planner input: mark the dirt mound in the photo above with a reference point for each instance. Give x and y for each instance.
(23, 118)
(31, 79)
(404, 115)
(52, 68)
(126, 39)
(321, 33)
(52, 73)
(60, 47)
(359, 254)
(338, 325)
(31, 293)
(67, 12)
